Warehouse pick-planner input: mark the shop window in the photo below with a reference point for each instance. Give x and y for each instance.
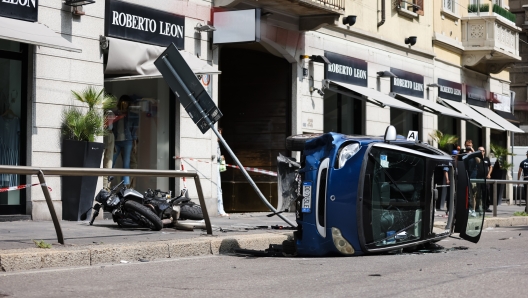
(9, 46)
(473, 133)
(11, 122)
(342, 114)
(138, 137)
(404, 121)
(448, 125)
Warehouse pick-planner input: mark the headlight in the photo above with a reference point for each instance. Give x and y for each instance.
(346, 153)
(340, 242)
(102, 196)
(112, 201)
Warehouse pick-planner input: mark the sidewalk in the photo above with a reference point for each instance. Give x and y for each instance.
(106, 243)
(504, 217)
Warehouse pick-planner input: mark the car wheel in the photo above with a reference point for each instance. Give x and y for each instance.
(296, 142)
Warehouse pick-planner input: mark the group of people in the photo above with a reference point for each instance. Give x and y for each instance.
(476, 172)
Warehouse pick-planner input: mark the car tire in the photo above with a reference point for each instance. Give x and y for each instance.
(296, 142)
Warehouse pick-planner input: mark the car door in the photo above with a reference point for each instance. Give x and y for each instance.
(471, 197)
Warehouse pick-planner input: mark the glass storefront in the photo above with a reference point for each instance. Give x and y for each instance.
(473, 133)
(12, 115)
(342, 114)
(404, 121)
(449, 125)
(139, 131)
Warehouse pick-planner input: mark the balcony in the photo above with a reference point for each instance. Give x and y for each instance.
(490, 41)
(312, 14)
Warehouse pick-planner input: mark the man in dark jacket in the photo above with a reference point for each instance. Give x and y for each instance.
(487, 172)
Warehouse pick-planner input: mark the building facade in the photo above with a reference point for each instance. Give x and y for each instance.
(519, 79)
(274, 67)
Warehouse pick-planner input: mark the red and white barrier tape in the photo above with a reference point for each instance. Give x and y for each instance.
(270, 173)
(256, 170)
(6, 189)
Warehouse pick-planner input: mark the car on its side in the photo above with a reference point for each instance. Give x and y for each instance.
(357, 195)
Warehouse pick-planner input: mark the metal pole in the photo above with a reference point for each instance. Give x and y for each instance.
(202, 204)
(54, 217)
(526, 198)
(235, 159)
(495, 199)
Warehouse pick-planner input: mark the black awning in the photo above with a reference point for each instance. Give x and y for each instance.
(509, 116)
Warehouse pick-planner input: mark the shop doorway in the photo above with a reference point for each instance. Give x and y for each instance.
(473, 133)
(254, 96)
(343, 114)
(147, 124)
(13, 111)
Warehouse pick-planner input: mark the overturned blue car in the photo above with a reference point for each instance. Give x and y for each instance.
(356, 195)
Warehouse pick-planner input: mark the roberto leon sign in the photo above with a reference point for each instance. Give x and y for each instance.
(26, 10)
(146, 25)
(346, 69)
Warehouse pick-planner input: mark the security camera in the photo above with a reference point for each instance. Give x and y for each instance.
(319, 91)
(411, 40)
(349, 20)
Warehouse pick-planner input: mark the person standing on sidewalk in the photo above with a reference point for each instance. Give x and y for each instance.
(523, 170)
(108, 141)
(487, 172)
(473, 173)
(221, 168)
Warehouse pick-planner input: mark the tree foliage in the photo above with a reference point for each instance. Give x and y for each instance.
(443, 140)
(87, 123)
(501, 154)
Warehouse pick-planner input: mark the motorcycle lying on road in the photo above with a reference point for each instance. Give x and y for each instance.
(126, 209)
(162, 204)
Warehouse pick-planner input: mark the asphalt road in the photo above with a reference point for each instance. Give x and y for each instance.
(496, 266)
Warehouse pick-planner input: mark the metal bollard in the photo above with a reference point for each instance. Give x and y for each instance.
(495, 199)
(515, 195)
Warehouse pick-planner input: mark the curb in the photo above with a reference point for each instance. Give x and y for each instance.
(495, 222)
(34, 258)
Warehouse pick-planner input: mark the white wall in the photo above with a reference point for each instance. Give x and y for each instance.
(57, 72)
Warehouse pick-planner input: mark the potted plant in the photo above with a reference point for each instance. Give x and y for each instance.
(80, 128)
(501, 167)
(443, 140)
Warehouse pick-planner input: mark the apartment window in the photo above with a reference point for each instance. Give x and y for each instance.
(408, 4)
(413, 6)
(498, 2)
(450, 5)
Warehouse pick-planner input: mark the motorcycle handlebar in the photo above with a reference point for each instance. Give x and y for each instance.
(119, 184)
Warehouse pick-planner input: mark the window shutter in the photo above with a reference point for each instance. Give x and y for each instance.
(420, 10)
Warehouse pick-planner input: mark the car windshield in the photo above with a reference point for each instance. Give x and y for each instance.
(394, 197)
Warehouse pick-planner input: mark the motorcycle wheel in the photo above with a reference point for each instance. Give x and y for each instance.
(191, 211)
(146, 216)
